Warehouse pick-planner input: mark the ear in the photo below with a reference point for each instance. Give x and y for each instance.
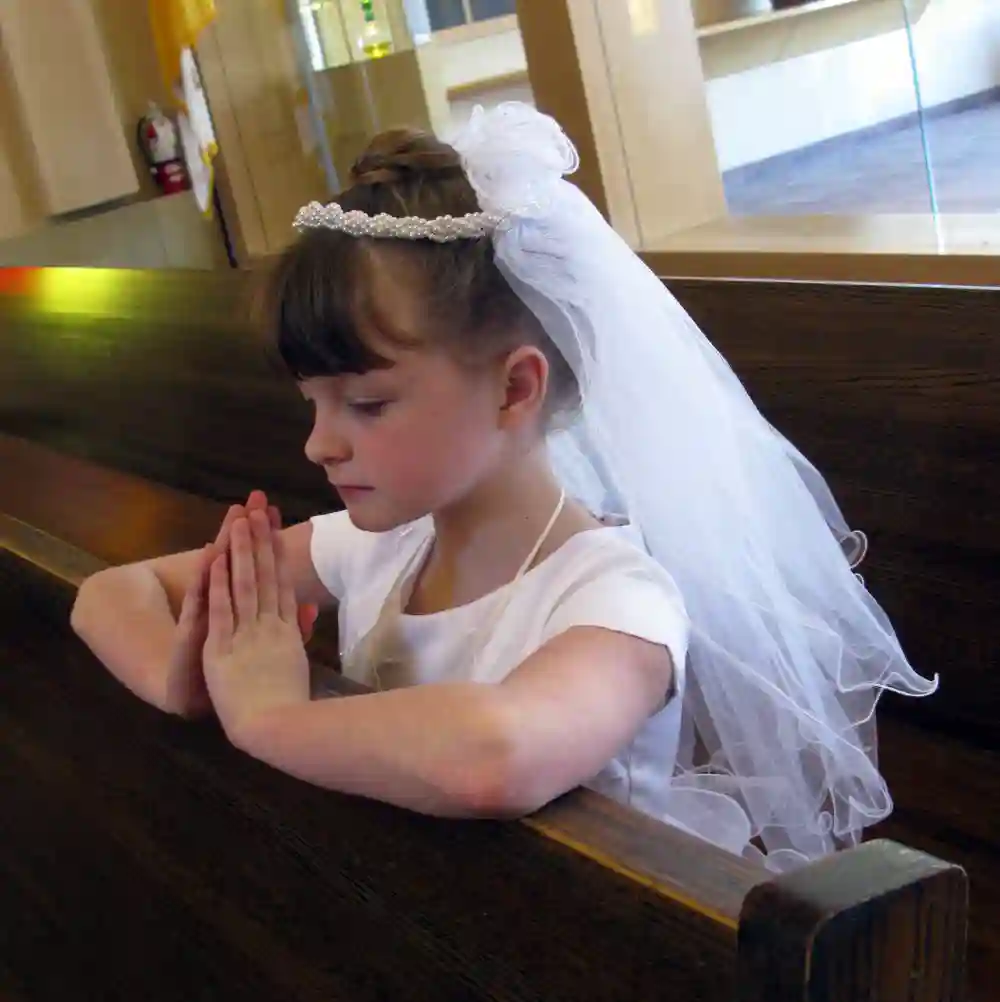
(526, 380)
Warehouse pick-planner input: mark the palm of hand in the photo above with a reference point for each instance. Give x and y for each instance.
(254, 657)
(185, 681)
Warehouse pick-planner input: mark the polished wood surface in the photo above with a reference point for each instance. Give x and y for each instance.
(166, 865)
(881, 418)
(116, 517)
(789, 926)
(157, 373)
(894, 392)
(227, 879)
(958, 250)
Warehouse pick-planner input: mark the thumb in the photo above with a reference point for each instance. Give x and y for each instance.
(194, 598)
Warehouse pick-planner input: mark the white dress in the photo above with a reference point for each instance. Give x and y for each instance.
(597, 578)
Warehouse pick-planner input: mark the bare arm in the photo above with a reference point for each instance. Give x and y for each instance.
(475, 750)
(177, 572)
(133, 617)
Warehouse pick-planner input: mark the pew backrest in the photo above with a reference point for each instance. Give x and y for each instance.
(134, 405)
(349, 898)
(894, 393)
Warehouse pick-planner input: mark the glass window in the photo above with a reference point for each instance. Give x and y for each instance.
(445, 14)
(818, 109)
(483, 9)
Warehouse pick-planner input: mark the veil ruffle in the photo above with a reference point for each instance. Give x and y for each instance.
(789, 653)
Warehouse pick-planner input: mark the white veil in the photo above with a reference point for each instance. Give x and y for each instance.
(789, 653)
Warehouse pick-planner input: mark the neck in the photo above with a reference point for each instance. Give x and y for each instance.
(481, 542)
(503, 516)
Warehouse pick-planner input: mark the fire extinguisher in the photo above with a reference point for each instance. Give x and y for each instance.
(160, 146)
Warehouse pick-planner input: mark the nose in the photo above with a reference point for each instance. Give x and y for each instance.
(326, 446)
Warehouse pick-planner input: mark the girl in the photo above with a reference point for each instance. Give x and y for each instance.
(572, 552)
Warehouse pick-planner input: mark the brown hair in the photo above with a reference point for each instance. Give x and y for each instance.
(320, 304)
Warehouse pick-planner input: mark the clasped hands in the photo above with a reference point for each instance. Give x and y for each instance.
(240, 621)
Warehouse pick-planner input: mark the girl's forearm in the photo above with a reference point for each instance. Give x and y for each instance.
(124, 617)
(443, 749)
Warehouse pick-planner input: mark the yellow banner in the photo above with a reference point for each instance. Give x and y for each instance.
(176, 26)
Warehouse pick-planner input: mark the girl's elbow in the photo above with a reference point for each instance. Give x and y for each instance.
(499, 785)
(488, 794)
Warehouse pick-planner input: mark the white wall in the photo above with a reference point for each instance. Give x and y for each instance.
(475, 59)
(789, 104)
(792, 103)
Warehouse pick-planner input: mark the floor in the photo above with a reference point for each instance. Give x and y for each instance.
(881, 171)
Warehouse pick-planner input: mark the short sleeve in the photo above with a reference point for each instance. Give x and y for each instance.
(345, 557)
(631, 598)
(334, 548)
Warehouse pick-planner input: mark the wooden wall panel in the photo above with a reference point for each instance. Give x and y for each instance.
(57, 64)
(253, 86)
(626, 82)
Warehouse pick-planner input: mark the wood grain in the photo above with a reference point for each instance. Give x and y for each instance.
(252, 866)
(894, 392)
(232, 879)
(159, 374)
(161, 379)
(805, 936)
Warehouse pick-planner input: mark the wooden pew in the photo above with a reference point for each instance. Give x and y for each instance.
(891, 390)
(157, 373)
(894, 392)
(101, 376)
(162, 863)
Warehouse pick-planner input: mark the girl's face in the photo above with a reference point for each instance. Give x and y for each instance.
(401, 442)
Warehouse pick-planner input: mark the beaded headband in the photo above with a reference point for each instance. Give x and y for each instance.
(444, 229)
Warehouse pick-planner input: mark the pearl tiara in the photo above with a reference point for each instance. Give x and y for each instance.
(444, 229)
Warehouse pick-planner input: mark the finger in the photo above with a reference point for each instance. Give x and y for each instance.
(220, 608)
(242, 572)
(308, 614)
(287, 606)
(193, 603)
(222, 539)
(267, 584)
(257, 499)
(274, 516)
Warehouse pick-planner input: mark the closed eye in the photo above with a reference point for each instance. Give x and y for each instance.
(368, 408)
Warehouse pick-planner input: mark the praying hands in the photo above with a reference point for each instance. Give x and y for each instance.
(254, 658)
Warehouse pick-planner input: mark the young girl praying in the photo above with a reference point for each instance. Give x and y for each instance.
(572, 550)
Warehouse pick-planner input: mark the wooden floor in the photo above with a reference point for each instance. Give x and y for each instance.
(947, 796)
(880, 171)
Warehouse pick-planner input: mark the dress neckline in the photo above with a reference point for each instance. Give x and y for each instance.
(421, 555)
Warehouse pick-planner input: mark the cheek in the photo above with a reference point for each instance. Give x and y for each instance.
(436, 452)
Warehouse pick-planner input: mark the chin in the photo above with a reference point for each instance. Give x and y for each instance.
(376, 518)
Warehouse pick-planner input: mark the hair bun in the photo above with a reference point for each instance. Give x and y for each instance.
(401, 155)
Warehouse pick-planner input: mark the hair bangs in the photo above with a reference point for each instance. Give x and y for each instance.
(317, 304)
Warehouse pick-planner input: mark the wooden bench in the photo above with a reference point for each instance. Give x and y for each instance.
(141, 857)
(159, 374)
(891, 390)
(894, 392)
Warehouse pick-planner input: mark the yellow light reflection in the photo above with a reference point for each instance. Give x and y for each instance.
(86, 292)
